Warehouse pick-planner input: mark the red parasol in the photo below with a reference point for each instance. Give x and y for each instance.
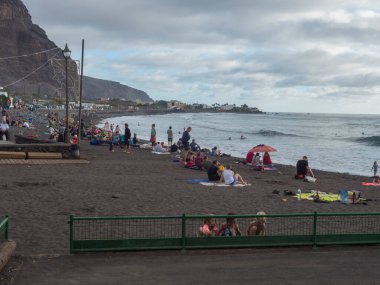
(263, 148)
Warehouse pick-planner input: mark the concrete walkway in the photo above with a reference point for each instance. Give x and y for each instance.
(328, 265)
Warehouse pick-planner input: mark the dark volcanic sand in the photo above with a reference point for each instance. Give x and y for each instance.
(40, 198)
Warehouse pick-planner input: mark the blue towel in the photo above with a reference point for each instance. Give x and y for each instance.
(197, 180)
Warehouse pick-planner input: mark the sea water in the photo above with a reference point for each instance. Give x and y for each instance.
(333, 142)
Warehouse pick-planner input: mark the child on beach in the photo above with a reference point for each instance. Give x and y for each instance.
(209, 228)
(375, 166)
(258, 226)
(229, 228)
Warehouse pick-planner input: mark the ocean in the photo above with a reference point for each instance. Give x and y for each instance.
(332, 142)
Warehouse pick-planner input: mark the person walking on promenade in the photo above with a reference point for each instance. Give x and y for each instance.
(153, 134)
(170, 136)
(127, 136)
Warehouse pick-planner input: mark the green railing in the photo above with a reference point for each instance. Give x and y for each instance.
(181, 232)
(4, 229)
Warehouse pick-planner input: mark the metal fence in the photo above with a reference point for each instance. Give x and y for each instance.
(182, 232)
(4, 229)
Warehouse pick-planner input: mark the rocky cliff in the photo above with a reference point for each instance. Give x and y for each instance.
(43, 74)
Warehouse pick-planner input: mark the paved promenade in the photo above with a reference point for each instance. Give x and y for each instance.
(327, 265)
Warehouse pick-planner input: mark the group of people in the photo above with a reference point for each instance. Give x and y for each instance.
(257, 162)
(218, 173)
(231, 227)
(113, 136)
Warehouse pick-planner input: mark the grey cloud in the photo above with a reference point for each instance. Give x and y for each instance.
(230, 48)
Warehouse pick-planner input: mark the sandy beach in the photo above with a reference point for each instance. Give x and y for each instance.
(40, 198)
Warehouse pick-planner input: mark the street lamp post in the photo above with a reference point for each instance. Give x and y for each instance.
(66, 54)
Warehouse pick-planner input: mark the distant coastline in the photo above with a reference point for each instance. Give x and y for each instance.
(115, 113)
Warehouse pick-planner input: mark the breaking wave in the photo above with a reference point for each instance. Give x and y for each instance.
(270, 133)
(373, 140)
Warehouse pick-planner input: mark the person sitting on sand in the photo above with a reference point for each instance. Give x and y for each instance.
(209, 228)
(134, 139)
(194, 146)
(231, 178)
(213, 172)
(303, 168)
(198, 161)
(174, 147)
(249, 157)
(157, 147)
(191, 164)
(179, 143)
(229, 228)
(215, 151)
(267, 160)
(25, 124)
(258, 225)
(256, 160)
(206, 164)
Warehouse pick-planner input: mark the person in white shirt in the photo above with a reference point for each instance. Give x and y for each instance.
(158, 147)
(4, 130)
(231, 178)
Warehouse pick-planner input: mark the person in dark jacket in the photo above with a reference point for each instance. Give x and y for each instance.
(303, 168)
(186, 138)
(127, 136)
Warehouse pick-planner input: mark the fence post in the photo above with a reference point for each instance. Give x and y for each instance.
(183, 250)
(71, 222)
(7, 228)
(315, 230)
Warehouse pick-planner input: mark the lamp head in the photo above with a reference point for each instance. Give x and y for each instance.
(66, 52)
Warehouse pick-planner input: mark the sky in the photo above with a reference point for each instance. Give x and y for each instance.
(280, 56)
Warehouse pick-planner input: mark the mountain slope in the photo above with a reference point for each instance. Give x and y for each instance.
(44, 73)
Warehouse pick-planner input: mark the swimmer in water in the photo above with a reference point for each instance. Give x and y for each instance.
(229, 138)
(242, 137)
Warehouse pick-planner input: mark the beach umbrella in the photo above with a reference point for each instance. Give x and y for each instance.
(263, 148)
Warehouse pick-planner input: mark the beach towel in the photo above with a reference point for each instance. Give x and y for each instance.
(222, 184)
(323, 196)
(269, 168)
(310, 179)
(146, 146)
(370, 183)
(197, 180)
(155, 152)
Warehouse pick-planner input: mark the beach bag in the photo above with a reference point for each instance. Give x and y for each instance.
(349, 197)
(343, 195)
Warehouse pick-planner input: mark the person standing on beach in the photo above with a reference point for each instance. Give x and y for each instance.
(153, 134)
(127, 136)
(186, 138)
(375, 166)
(170, 136)
(107, 126)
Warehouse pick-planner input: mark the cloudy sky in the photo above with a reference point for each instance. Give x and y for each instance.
(292, 56)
